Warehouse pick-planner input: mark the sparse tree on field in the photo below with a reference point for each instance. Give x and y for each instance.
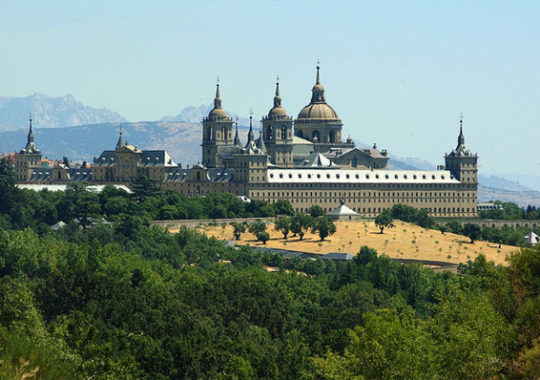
(239, 229)
(443, 229)
(263, 236)
(384, 220)
(256, 228)
(324, 226)
(283, 225)
(300, 224)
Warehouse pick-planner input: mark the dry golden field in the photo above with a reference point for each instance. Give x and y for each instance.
(406, 241)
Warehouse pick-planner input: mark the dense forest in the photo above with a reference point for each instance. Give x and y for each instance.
(129, 300)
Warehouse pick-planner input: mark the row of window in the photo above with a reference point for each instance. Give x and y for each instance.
(350, 176)
(378, 210)
(375, 195)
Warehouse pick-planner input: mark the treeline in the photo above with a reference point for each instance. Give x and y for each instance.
(117, 302)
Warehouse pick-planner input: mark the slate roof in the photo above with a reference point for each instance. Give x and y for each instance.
(148, 158)
(41, 175)
(373, 153)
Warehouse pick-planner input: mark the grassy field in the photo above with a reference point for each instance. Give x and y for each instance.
(406, 241)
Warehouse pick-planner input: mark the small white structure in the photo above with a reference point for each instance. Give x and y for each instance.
(58, 226)
(343, 212)
(532, 238)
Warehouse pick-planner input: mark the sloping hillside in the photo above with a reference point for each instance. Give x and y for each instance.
(405, 241)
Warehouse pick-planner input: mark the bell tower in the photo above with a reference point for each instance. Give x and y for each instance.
(278, 133)
(217, 134)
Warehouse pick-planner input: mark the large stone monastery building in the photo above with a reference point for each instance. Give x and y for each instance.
(302, 160)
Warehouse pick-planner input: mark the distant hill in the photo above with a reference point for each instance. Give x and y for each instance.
(522, 198)
(410, 163)
(501, 183)
(51, 112)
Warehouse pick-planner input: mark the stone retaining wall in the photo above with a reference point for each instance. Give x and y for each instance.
(197, 222)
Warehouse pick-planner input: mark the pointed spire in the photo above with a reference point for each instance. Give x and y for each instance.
(236, 137)
(250, 133)
(30, 131)
(277, 98)
(318, 90)
(217, 100)
(260, 142)
(30, 145)
(120, 142)
(461, 137)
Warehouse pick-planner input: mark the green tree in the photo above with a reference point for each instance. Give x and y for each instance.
(263, 236)
(324, 226)
(384, 220)
(143, 188)
(239, 229)
(283, 225)
(316, 211)
(283, 207)
(300, 224)
(472, 231)
(257, 227)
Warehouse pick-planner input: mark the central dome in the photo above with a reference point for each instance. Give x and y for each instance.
(318, 111)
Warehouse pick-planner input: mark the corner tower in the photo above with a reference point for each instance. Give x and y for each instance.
(318, 122)
(278, 133)
(461, 162)
(217, 134)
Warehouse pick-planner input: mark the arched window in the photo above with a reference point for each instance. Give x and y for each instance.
(269, 132)
(224, 132)
(300, 134)
(332, 136)
(283, 132)
(317, 135)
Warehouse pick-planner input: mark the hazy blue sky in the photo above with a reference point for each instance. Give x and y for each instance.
(397, 72)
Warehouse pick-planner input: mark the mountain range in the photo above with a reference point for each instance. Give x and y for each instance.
(50, 112)
(66, 127)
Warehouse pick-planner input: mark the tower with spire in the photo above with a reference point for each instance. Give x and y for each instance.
(277, 133)
(461, 162)
(29, 158)
(217, 134)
